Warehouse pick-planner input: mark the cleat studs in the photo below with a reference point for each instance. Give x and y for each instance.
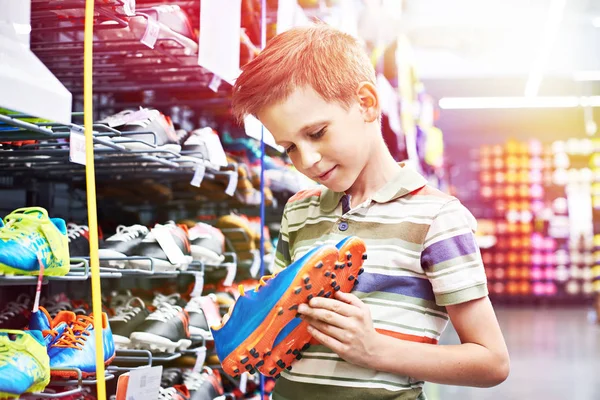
(292, 308)
(271, 372)
(364, 256)
(306, 280)
(356, 282)
(236, 371)
(337, 288)
(351, 278)
(289, 368)
(333, 284)
(328, 294)
(360, 271)
(348, 256)
(280, 312)
(335, 267)
(281, 364)
(332, 276)
(309, 298)
(248, 367)
(308, 287)
(299, 357)
(298, 290)
(319, 265)
(298, 315)
(244, 360)
(321, 293)
(260, 363)
(277, 376)
(289, 351)
(254, 353)
(295, 352)
(349, 264)
(327, 274)
(305, 347)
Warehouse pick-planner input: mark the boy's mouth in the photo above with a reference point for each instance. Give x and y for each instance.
(326, 175)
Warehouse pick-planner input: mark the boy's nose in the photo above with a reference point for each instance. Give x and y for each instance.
(309, 158)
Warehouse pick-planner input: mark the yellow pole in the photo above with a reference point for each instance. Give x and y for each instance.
(90, 177)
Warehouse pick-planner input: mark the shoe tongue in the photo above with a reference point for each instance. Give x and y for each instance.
(67, 317)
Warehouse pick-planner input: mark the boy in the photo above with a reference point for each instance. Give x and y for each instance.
(314, 89)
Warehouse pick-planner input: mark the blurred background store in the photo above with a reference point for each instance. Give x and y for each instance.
(496, 102)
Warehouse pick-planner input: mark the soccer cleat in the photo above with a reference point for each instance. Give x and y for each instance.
(165, 330)
(207, 243)
(177, 392)
(294, 337)
(171, 377)
(259, 315)
(16, 313)
(51, 328)
(198, 323)
(76, 348)
(121, 244)
(158, 259)
(126, 320)
(202, 385)
(24, 364)
(79, 240)
(29, 237)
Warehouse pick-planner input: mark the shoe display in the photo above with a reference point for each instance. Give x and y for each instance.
(29, 237)
(76, 348)
(178, 392)
(259, 315)
(202, 385)
(165, 330)
(16, 313)
(158, 259)
(24, 364)
(198, 324)
(79, 240)
(51, 328)
(207, 243)
(121, 245)
(171, 377)
(294, 337)
(126, 320)
(241, 236)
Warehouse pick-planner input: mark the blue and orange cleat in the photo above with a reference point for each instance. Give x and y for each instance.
(76, 348)
(51, 328)
(29, 237)
(294, 337)
(259, 315)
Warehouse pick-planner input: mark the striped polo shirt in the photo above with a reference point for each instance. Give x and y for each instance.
(422, 256)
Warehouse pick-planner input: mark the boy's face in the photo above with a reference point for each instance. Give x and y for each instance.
(325, 141)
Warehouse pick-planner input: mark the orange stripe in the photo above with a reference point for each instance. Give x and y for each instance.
(429, 191)
(410, 338)
(303, 194)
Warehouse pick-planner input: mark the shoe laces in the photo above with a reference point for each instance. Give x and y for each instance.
(164, 313)
(162, 299)
(167, 394)
(127, 233)
(20, 222)
(75, 231)
(193, 380)
(75, 335)
(126, 312)
(262, 282)
(12, 309)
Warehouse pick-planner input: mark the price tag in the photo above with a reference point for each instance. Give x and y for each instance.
(151, 34)
(244, 382)
(214, 84)
(198, 175)
(232, 185)
(200, 359)
(255, 268)
(144, 383)
(167, 242)
(77, 145)
(198, 285)
(129, 7)
(231, 272)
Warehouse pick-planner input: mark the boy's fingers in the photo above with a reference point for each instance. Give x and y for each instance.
(324, 315)
(325, 339)
(334, 305)
(330, 330)
(349, 298)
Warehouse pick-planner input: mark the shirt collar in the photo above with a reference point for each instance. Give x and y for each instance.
(405, 182)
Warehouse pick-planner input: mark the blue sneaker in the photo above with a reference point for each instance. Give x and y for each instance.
(294, 337)
(76, 348)
(50, 328)
(24, 365)
(259, 315)
(28, 237)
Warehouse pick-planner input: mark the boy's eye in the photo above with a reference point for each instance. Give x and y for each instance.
(290, 148)
(319, 134)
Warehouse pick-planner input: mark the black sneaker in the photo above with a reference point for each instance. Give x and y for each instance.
(79, 240)
(15, 315)
(165, 330)
(201, 385)
(171, 377)
(126, 320)
(149, 247)
(121, 244)
(198, 324)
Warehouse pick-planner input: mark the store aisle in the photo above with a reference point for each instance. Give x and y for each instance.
(555, 355)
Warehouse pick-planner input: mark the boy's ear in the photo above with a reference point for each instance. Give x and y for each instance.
(368, 100)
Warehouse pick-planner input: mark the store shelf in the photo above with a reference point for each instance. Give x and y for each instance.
(80, 382)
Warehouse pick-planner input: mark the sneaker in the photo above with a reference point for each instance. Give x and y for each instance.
(159, 262)
(171, 377)
(51, 328)
(79, 240)
(76, 348)
(199, 143)
(24, 364)
(126, 320)
(198, 324)
(207, 243)
(294, 337)
(121, 245)
(177, 392)
(16, 313)
(238, 231)
(260, 314)
(202, 386)
(29, 237)
(165, 330)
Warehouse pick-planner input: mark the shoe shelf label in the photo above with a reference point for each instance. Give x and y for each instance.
(151, 34)
(144, 383)
(77, 145)
(200, 359)
(198, 175)
(256, 262)
(166, 241)
(231, 272)
(214, 84)
(232, 185)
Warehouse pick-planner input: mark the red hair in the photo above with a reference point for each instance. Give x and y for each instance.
(333, 63)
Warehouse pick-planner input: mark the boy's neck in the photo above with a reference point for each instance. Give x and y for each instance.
(379, 170)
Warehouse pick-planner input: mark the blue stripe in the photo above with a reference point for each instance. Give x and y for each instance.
(404, 285)
(448, 249)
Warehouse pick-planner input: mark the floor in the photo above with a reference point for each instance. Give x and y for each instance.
(555, 355)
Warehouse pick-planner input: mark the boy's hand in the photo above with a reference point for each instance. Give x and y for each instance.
(342, 324)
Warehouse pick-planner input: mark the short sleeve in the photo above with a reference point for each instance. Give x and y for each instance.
(451, 258)
(282, 253)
